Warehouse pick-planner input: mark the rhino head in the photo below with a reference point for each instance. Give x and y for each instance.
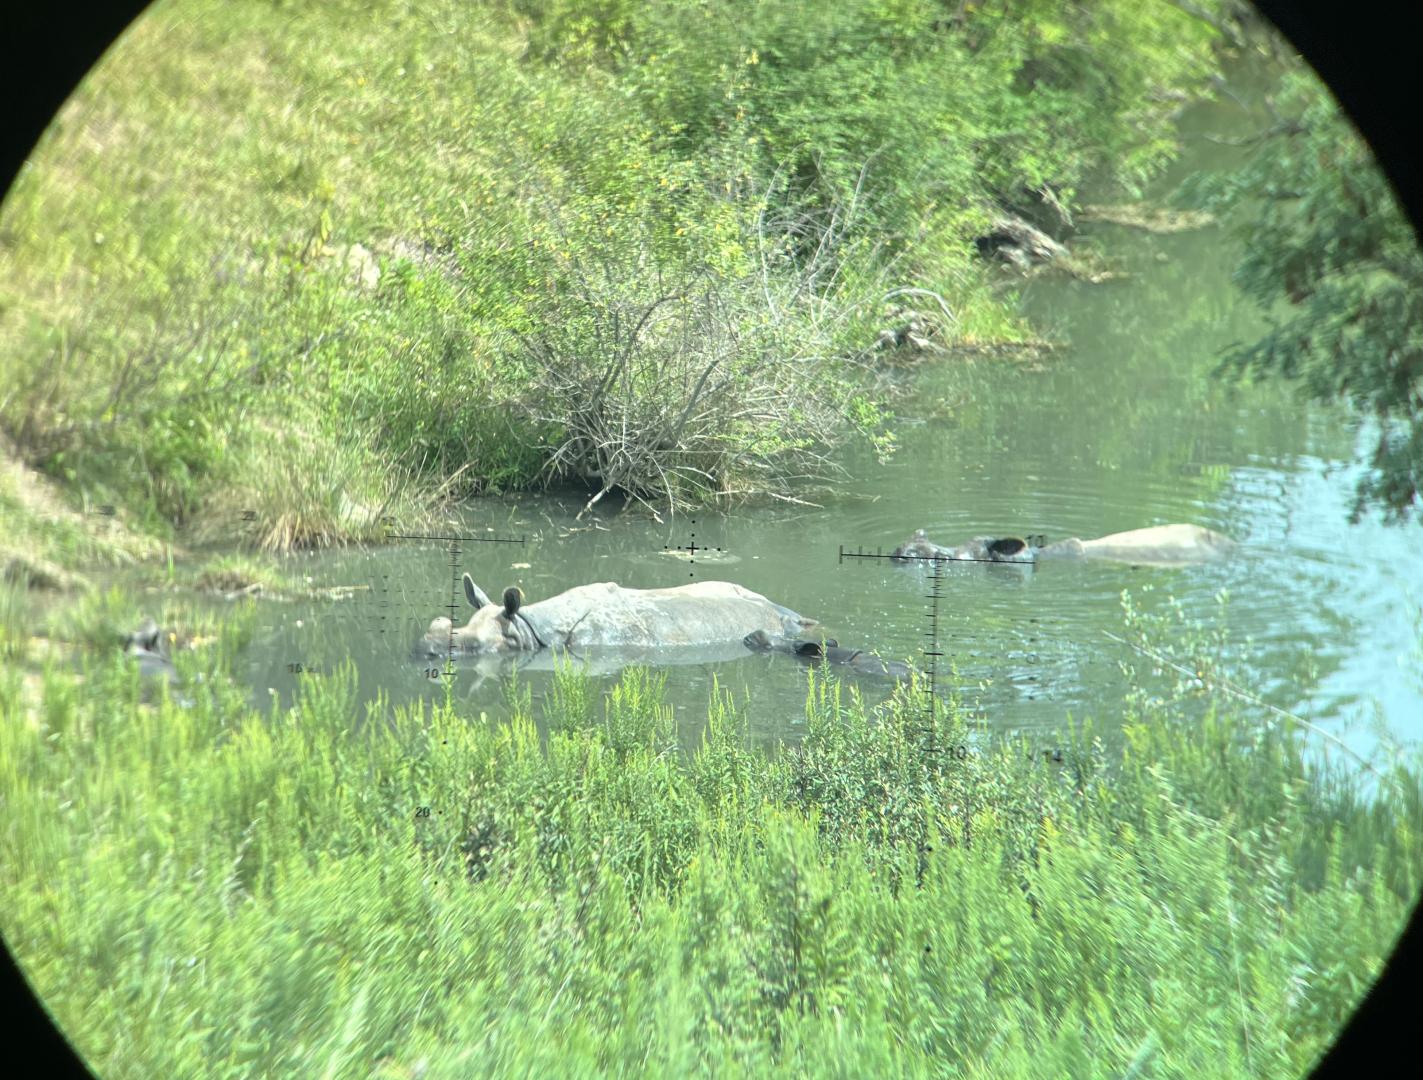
(145, 647)
(979, 549)
(829, 651)
(761, 641)
(919, 546)
(146, 639)
(491, 630)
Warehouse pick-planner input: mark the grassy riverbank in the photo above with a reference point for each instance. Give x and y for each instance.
(286, 269)
(210, 891)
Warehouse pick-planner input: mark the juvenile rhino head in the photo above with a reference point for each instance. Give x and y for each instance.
(492, 629)
(761, 641)
(145, 647)
(829, 651)
(145, 639)
(918, 546)
(979, 549)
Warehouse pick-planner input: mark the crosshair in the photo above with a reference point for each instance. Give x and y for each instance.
(692, 548)
(453, 541)
(934, 651)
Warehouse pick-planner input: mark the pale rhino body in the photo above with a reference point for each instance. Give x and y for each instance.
(1158, 545)
(606, 615)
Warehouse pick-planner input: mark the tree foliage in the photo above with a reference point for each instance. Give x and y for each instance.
(1332, 259)
(948, 104)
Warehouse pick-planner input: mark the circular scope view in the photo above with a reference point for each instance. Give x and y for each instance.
(856, 538)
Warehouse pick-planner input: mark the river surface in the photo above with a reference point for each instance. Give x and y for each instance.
(1120, 429)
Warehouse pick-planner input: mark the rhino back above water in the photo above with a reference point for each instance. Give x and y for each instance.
(702, 613)
(1162, 545)
(607, 615)
(1165, 545)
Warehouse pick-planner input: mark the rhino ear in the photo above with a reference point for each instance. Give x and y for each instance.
(474, 594)
(513, 597)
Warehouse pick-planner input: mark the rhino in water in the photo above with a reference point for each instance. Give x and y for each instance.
(145, 647)
(1159, 545)
(830, 651)
(609, 616)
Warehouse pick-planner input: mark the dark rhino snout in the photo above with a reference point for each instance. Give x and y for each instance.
(435, 647)
(757, 639)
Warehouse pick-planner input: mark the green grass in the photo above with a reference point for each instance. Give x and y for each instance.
(211, 891)
(46, 542)
(14, 618)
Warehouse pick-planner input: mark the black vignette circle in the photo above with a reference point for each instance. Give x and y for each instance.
(1358, 50)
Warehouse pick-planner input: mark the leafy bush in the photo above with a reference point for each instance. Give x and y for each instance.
(695, 379)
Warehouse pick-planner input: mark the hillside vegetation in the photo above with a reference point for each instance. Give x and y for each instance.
(322, 262)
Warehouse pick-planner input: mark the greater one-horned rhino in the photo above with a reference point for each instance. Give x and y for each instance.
(609, 616)
(1159, 545)
(145, 647)
(830, 651)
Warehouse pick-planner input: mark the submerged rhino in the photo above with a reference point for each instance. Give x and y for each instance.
(1159, 545)
(145, 647)
(829, 651)
(609, 616)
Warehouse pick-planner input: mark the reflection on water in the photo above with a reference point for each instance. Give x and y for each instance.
(1120, 430)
